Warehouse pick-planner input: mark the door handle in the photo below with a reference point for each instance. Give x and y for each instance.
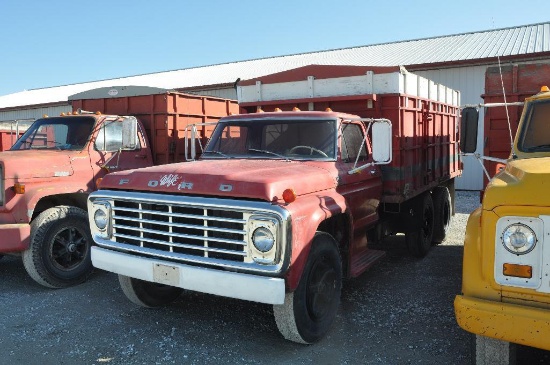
(142, 157)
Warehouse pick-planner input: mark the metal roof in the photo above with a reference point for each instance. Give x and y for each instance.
(452, 49)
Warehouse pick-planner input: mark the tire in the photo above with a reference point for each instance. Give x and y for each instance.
(420, 240)
(442, 214)
(490, 351)
(59, 252)
(148, 294)
(308, 313)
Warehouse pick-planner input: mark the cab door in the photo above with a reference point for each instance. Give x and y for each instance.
(361, 190)
(107, 152)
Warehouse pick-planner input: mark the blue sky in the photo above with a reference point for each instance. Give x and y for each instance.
(59, 42)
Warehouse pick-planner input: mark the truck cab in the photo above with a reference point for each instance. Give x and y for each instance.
(505, 297)
(46, 177)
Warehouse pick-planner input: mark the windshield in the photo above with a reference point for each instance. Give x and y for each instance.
(274, 139)
(535, 134)
(61, 133)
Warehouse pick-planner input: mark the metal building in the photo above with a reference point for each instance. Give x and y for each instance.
(458, 61)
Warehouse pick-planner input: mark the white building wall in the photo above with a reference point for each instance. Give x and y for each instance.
(228, 93)
(471, 83)
(33, 113)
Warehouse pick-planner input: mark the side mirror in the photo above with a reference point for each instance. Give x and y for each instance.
(381, 141)
(468, 129)
(129, 133)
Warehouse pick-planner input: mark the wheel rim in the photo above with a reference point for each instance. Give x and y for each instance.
(427, 229)
(68, 248)
(321, 289)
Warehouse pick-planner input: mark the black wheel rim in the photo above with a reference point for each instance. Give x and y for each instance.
(321, 289)
(68, 248)
(427, 229)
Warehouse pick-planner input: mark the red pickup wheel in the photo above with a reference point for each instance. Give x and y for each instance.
(59, 251)
(442, 213)
(308, 312)
(148, 294)
(419, 241)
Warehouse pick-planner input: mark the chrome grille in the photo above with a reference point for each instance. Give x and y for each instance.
(206, 232)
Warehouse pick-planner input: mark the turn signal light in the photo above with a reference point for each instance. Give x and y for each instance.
(278, 110)
(544, 89)
(98, 182)
(519, 271)
(289, 196)
(295, 109)
(328, 109)
(19, 188)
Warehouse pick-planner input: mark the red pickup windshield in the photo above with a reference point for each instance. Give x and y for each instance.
(61, 133)
(274, 139)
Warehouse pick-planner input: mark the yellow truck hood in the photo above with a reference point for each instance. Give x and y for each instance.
(523, 182)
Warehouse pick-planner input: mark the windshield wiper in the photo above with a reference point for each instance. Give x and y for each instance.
(269, 153)
(537, 147)
(218, 153)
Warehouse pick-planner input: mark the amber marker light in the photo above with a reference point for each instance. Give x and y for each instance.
(19, 188)
(519, 271)
(98, 113)
(328, 109)
(278, 110)
(296, 109)
(544, 89)
(98, 182)
(289, 196)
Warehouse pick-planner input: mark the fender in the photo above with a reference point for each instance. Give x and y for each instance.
(24, 206)
(307, 213)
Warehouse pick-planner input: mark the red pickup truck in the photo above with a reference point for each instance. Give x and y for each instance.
(46, 176)
(283, 205)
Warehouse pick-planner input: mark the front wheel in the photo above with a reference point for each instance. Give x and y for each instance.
(59, 252)
(148, 294)
(308, 312)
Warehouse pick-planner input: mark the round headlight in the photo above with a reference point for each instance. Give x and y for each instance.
(263, 239)
(100, 219)
(519, 239)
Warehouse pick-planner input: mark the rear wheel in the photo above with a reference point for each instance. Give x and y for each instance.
(442, 213)
(308, 313)
(148, 294)
(419, 241)
(59, 251)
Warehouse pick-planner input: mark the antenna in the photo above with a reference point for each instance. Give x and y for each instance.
(505, 103)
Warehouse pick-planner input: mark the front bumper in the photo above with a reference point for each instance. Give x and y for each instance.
(508, 322)
(255, 288)
(14, 237)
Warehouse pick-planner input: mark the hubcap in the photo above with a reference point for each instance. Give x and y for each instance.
(321, 289)
(68, 249)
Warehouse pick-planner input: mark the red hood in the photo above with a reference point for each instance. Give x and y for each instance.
(256, 179)
(28, 164)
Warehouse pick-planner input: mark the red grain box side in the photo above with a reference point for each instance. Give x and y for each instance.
(165, 114)
(423, 115)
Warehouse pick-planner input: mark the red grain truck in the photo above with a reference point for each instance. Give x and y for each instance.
(284, 204)
(48, 173)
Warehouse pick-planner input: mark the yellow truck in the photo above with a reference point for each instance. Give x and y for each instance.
(505, 297)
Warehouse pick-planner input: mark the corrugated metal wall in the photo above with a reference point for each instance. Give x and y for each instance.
(228, 93)
(33, 113)
(471, 83)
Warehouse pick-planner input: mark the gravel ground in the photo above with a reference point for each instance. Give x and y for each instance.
(399, 312)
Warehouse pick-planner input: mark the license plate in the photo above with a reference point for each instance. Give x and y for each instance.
(165, 274)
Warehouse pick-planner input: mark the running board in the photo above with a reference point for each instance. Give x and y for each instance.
(365, 260)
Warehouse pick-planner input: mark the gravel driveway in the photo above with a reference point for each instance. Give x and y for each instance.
(399, 312)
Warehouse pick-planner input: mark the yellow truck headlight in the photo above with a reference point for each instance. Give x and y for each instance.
(519, 239)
